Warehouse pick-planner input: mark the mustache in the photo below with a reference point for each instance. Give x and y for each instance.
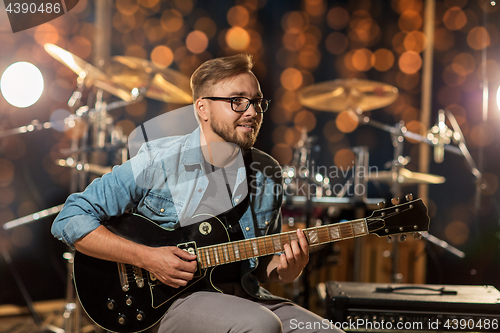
(250, 123)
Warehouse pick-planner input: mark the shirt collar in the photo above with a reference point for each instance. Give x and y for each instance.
(191, 152)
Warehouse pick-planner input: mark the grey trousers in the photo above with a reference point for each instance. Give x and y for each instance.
(212, 312)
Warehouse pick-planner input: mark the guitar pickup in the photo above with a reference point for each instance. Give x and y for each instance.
(190, 247)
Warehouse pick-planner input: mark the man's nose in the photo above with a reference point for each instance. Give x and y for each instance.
(252, 111)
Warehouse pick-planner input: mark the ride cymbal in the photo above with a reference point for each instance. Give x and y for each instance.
(89, 73)
(163, 84)
(348, 94)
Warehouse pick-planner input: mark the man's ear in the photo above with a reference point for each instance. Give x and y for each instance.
(201, 110)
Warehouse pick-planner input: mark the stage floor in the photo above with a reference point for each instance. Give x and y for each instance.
(18, 319)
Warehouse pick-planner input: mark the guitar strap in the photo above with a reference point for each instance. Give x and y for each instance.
(232, 217)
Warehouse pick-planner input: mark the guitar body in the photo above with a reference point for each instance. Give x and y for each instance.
(141, 303)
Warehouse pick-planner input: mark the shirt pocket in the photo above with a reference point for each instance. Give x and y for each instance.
(162, 205)
(264, 220)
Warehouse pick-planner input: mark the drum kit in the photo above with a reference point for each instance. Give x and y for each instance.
(96, 142)
(100, 143)
(354, 96)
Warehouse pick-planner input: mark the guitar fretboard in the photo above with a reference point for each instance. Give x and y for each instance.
(225, 253)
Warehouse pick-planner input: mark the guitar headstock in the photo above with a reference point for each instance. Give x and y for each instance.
(401, 218)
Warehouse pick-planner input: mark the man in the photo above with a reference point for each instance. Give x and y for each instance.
(174, 179)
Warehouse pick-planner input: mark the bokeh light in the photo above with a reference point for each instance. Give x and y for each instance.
(410, 62)
(21, 84)
(347, 121)
(454, 18)
(196, 41)
(162, 56)
(237, 38)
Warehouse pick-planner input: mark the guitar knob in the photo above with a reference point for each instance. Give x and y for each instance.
(129, 301)
(381, 204)
(111, 304)
(417, 235)
(139, 316)
(402, 237)
(389, 239)
(409, 197)
(122, 319)
(395, 201)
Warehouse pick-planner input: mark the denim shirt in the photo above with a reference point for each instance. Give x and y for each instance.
(165, 182)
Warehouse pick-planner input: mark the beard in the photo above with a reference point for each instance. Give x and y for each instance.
(245, 140)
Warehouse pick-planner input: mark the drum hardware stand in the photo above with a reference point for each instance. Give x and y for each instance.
(361, 163)
(359, 180)
(398, 133)
(397, 163)
(301, 159)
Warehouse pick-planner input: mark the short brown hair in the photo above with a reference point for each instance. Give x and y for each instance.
(216, 70)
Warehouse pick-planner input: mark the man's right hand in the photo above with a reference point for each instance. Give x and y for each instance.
(171, 265)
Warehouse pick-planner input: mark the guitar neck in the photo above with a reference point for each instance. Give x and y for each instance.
(210, 256)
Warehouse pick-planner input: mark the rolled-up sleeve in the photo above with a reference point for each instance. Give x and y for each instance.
(111, 195)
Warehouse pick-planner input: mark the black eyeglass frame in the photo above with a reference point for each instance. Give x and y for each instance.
(250, 102)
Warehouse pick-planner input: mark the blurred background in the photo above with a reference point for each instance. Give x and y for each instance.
(438, 55)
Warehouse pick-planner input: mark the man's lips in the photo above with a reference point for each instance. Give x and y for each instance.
(248, 126)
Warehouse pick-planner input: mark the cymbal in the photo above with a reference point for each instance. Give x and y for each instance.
(163, 84)
(345, 94)
(91, 74)
(405, 176)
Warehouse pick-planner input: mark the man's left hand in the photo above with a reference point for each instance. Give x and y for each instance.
(294, 258)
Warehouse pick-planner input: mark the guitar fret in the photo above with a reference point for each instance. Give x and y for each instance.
(255, 248)
(277, 245)
(313, 236)
(284, 240)
(236, 251)
(208, 256)
(200, 259)
(324, 236)
(216, 254)
(243, 250)
(345, 230)
(221, 254)
(226, 257)
(334, 232)
(264, 249)
(359, 227)
(248, 249)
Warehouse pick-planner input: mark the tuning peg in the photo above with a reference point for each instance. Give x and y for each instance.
(389, 239)
(409, 197)
(395, 201)
(402, 237)
(417, 235)
(381, 204)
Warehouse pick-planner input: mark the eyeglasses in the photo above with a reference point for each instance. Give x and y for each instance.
(241, 104)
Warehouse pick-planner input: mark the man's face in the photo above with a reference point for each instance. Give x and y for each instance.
(240, 128)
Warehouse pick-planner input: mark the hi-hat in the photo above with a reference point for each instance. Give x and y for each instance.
(405, 176)
(348, 94)
(163, 84)
(89, 73)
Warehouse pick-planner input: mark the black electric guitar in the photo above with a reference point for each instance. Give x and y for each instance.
(124, 298)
